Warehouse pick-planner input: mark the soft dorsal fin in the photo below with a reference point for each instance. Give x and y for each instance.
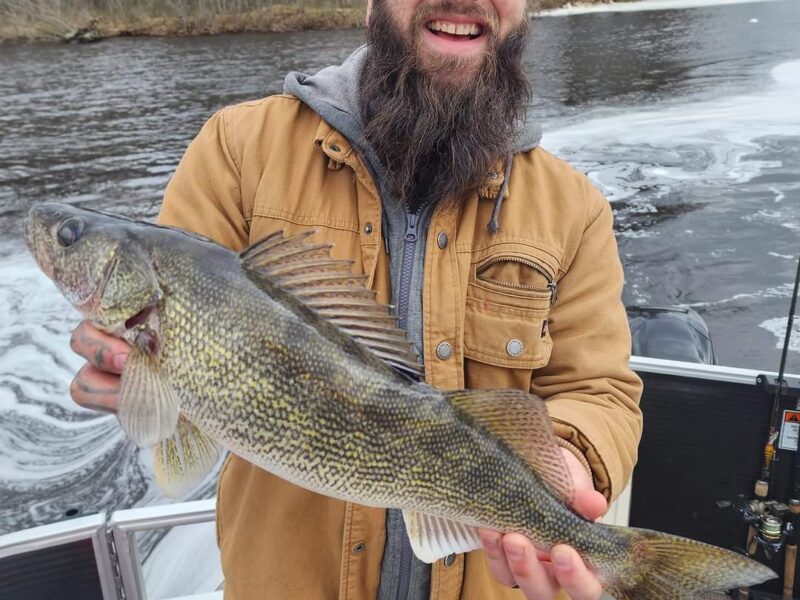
(521, 420)
(329, 288)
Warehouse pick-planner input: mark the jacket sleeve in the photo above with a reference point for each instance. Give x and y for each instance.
(204, 194)
(592, 394)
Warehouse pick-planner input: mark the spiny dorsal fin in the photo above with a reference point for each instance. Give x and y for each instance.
(328, 287)
(521, 420)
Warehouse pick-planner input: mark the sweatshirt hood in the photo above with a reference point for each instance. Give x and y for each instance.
(333, 94)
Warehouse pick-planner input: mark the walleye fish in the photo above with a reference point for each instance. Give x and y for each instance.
(281, 355)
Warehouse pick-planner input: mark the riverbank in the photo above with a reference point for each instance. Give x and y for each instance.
(82, 24)
(83, 21)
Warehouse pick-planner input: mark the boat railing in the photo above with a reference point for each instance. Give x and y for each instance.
(660, 366)
(124, 524)
(90, 557)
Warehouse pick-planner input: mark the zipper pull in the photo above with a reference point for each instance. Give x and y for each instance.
(553, 292)
(411, 227)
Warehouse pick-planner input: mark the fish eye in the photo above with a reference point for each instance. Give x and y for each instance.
(70, 231)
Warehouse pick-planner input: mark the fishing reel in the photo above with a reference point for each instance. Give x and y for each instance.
(769, 525)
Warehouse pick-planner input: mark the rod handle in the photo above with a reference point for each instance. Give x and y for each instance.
(790, 562)
(761, 489)
(752, 544)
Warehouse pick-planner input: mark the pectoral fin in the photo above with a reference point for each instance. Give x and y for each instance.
(184, 458)
(433, 538)
(148, 406)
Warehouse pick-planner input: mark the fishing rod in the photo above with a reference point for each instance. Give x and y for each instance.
(781, 371)
(765, 517)
(790, 559)
(765, 481)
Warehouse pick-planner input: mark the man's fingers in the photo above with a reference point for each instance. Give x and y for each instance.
(493, 550)
(574, 576)
(531, 575)
(590, 503)
(105, 352)
(95, 389)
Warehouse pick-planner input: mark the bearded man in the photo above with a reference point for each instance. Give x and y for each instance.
(414, 159)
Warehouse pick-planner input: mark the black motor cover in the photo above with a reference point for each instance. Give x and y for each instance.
(672, 333)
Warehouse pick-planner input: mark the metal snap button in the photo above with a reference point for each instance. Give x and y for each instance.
(515, 347)
(368, 228)
(449, 560)
(441, 240)
(444, 350)
(359, 548)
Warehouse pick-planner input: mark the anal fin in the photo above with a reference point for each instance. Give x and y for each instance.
(184, 458)
(433, 538)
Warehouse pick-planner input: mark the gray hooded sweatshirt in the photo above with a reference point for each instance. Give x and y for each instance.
(333, 94)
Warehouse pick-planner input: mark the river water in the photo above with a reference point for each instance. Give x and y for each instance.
(688, 119)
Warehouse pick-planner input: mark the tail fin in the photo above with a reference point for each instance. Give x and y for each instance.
(668, 567)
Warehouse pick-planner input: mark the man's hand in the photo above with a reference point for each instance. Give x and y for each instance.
(515, 562)
(96, 386)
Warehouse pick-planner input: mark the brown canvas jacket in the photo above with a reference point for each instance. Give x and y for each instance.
(274, 164)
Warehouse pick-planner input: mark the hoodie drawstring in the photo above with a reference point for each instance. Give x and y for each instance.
(494, 222)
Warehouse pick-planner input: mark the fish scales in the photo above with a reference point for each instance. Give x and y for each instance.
(226, 349)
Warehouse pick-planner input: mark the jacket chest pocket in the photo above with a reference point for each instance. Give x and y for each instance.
(506, 328)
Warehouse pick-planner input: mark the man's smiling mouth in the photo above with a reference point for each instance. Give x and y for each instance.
(455, 31)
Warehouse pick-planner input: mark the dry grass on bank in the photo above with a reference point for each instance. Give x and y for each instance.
(57, 19)
(276, 18)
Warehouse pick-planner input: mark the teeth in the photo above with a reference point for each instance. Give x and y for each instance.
(454, 29)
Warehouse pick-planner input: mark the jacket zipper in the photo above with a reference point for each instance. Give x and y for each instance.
(404, 577)
(403, 297)
(552, 286)
(407, 268)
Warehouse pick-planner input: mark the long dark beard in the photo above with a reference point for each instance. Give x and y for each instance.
(438, 137)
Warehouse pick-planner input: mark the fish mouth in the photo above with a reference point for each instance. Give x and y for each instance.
(142, 317)
(142, 330)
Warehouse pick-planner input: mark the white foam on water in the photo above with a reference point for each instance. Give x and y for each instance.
(580, 9)
(35, 326)
(779, 195)
(636, 233)
(777, 327)
(780, 291)
(684, 142)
